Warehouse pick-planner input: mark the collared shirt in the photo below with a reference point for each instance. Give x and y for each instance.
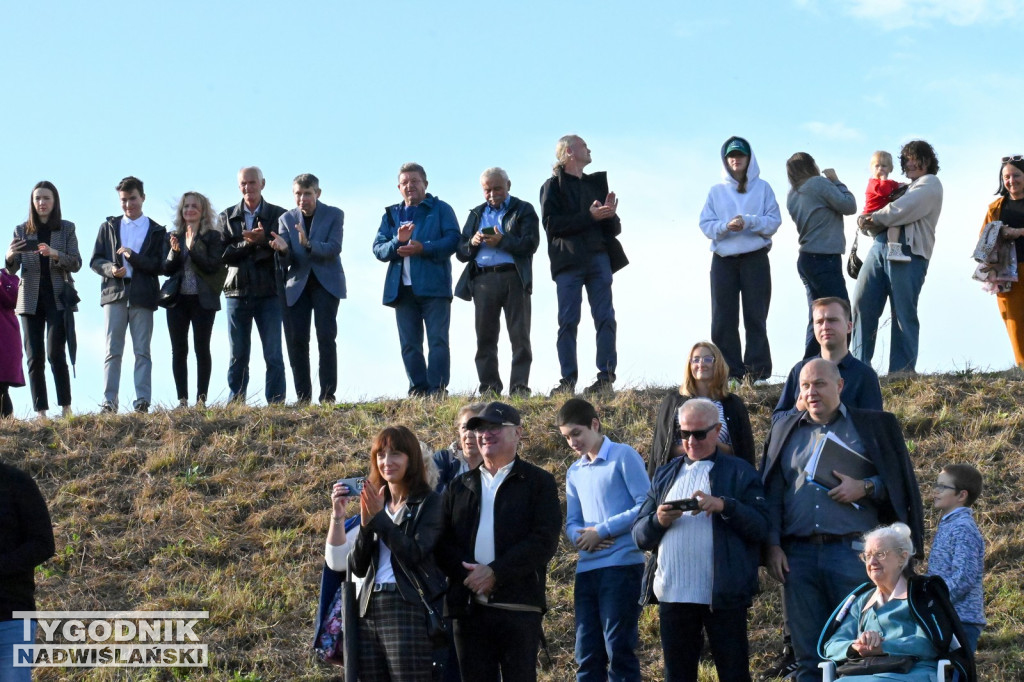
(958, 557)
(686, 552)
(385, 571)
(250, 216)
(489, 256)
(878, 599)
(807, 508)
(860, 386)
(406, 214)
(133, 235)
(483, 552)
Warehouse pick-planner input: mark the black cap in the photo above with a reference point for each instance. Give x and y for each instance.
(495, 413)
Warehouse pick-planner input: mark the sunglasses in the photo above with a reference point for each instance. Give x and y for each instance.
(697, 435)
(1018, 157)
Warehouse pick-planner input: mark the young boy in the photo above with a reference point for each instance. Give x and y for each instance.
(878, 194)
(604, 490)
(958, 551)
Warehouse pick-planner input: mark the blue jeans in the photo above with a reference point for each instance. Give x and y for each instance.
(973, 632)
(822, 275)
(900, 283)
(607, 605)
(596, 276)
(265, 311)
(413, 313)
(317, 303)
(12, 632)
(746, 277)
(819, 578)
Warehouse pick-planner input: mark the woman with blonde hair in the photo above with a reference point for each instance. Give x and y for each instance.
(197, 272)
(706, 376)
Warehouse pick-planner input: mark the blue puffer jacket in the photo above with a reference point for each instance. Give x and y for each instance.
(437, 228)
(737, 532)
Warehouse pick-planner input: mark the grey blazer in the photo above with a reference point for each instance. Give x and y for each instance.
(69, 261)
(322, 257)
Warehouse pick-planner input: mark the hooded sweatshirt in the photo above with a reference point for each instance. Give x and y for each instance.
(757, 205)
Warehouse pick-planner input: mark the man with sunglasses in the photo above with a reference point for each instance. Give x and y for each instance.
(703, 522)
(502, 523)
(815, 533)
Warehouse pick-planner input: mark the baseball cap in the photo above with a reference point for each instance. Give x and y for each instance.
(495, 413)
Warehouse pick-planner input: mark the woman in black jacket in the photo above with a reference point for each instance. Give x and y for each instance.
(707, 376)
(401, 519)
(46, 249)
(195, 262)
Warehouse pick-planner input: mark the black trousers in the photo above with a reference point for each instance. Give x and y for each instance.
(498, 644)
(187, 311)
(746, 277)
(493, 292)
(682, 637)
(317, 306)
(47, 323)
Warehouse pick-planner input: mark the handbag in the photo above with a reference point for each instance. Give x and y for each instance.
(853, 261)
(339, 629)
(168, 297)
(871, 665)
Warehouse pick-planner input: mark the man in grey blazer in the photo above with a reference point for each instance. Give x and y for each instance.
(308, 243)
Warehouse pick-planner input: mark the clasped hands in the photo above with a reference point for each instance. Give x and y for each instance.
(599, 211)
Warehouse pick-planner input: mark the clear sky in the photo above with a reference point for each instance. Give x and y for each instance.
(183, 94)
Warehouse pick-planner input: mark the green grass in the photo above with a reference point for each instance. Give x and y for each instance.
(226, 510)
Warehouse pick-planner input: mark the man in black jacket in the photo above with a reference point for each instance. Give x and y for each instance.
(129, 255)
(252, 289)
(581, 222)
(502, 523)
(497, 245)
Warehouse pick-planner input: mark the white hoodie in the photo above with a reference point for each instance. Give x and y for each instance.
(760, 211)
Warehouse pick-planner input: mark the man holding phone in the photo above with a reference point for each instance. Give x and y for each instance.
(702, 570)
(498, 242)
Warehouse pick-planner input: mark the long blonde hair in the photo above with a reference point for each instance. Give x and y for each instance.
(208, 220)
(719, 380)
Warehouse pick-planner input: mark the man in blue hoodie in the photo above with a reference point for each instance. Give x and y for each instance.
(417, 239)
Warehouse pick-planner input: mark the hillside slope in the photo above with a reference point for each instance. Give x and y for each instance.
(226, 510)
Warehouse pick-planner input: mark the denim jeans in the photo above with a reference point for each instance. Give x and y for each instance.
(682, 638)
(317, 303)
(900, 283)
(822, 275)
(596, 276)
(973, 632)
(121, 317)
(265, 311)
(12, 632)
(746, 277)
(607, 605)
(819, 578)
(412, 314)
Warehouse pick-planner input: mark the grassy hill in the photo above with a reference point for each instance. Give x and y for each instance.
(226, 510)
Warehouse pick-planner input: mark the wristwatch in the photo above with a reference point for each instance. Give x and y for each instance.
(869, 487)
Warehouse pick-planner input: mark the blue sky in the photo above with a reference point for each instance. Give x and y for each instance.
(183, 95)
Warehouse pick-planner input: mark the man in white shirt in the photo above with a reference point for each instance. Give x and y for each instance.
(129, 255)
(502, 522)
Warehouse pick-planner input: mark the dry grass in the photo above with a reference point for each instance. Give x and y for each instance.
(226, 510)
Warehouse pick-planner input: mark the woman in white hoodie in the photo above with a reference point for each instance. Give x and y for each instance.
(739, 217)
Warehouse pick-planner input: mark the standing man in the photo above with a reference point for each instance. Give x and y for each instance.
(417, 239)
(502, 522)
(581, 222)
(498, 242)
(309, 246)
(129, 255)
(251, 288)
(814, 533)
(703, 521)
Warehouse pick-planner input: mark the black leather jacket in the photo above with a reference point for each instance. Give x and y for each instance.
(252, 268)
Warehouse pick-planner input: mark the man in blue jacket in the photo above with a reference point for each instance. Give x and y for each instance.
(308, 244)
(703, 565)
(416, 239)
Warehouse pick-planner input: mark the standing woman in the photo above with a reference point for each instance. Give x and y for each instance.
(194, 259)
(10, 342)
(1009, 209)
(401, 519)
(46, 249)
(739, 217)
(817, 203)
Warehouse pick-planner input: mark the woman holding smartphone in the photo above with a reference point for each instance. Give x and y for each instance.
(46, 249)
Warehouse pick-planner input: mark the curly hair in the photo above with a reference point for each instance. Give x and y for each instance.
(206, 222)
(923, 152)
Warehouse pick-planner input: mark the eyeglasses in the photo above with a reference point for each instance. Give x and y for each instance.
(697, 435)
(1018, 157)
(703, 360)
(880, 555)
(943, 486)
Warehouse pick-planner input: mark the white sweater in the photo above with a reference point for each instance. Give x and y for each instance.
(760, 211)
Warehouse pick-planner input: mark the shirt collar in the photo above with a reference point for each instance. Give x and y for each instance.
(602, 452)
(245, 208)
(958, 510)
(898, 592)
(125, 220)
(501, 472)
(500, 209)
(806, 417)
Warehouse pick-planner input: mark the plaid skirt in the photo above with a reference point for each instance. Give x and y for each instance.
(393, 642)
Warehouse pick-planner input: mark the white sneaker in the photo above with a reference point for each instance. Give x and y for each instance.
(896, 252)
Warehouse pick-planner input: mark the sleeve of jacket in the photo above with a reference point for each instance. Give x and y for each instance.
(37, 543)
(208, 252)
(385, 244)
(992, 214)
(328, 249)
(151, 260)
(741, 432)
(235, 248)
(465, 251)
(915, 509)
(524, 240)
(774, 485)
(441, 250)
(747, 512)
(561, 220)
(100, 263)
(647, 532)
(664, 429)
(448, 553)
(14, 262)
(870, 395)
(70, 259)
(768, 221)
(790, 393)
(174, 260)
(534, 552)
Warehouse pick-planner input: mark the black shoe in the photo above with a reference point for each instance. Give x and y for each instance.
(564, 387)
(142, 407)
(108, 408)
(785, 667)
(598, 387)
(520, 392)
(490, 392)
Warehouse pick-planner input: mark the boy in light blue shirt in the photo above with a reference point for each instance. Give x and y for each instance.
(605, 488)
(958, 550)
